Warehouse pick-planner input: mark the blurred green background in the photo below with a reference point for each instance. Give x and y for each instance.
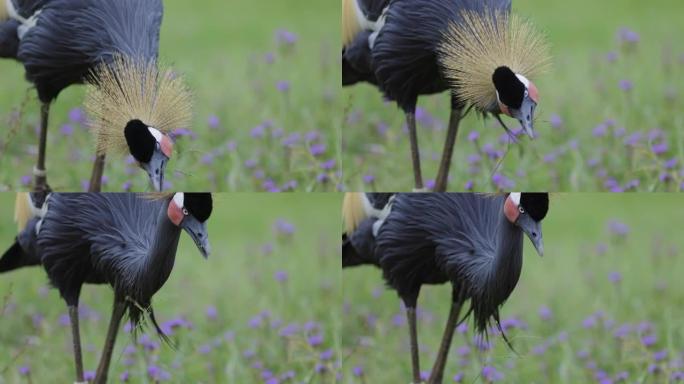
(266, 302)
(584, 118)
(605, 299)
(234, 55)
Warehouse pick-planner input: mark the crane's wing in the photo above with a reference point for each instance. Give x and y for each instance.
(9, 40)
(358, 248)
(95, 234)
(357, 61)
(73, 36)
(372, 9)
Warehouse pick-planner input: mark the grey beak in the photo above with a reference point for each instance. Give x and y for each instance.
(533, 231)
(155, 169)
(198, 233)
(525, 116)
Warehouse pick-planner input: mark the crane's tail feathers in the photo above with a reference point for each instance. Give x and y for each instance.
(12, 258)
(350, 21)
(353, 210)
(127, 89)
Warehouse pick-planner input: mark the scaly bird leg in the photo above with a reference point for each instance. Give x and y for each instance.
(448, 152)
(103, 368)
(437, 373)
(415, 364)
(96, 176)
(415, 153)
(76, 337)
(39, 173)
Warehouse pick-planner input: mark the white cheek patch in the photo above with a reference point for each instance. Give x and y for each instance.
(155, 132)
(515, 198)
(178, 199)
(523, 80)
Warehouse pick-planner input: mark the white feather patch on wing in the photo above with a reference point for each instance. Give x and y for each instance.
(515, 198)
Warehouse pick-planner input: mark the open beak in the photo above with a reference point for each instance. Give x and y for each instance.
(525, 116)
(533, 231)
(155, 169)
(198, 233)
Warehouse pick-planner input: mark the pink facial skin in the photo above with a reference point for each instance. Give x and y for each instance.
(166, 146)
(533, 92)
(511, 210)
(175, 213)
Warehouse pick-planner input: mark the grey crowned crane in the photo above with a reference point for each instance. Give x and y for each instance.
(476, 49)
(112, 45)
(126, 240)
(473, 241)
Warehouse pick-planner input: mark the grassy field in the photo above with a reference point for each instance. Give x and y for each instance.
(604, 304)
(264, 306)
(265, 77)
(608, 118)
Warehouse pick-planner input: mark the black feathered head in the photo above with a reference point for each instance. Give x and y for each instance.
(535, 204)
(199, 205)
(526, 210)
(150, 148)
(517, 97)
(190, 211)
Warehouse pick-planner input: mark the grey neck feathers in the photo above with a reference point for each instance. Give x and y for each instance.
(505, 267)
(156, 267)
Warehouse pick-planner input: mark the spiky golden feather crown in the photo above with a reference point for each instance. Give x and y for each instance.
(474, 47)
(128, 89)
(350, 23)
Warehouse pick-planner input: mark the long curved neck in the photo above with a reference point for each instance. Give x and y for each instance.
(505, 268)
(157, 265)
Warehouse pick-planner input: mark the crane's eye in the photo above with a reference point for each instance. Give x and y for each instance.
(185, 211)
(527, 93)
(521, 209)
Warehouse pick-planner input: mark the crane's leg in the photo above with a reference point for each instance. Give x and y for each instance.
(114, 323)
(40, 176)
(96, 176)
(76, 337)
(415, 363)
(448, 152)
(437, 373)
(410, 302)
(415, 153)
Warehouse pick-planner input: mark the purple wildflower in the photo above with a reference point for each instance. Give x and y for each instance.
(615, 277)
(317, 149)
(626, 85)
(280, 276)
(213, 121)
(283, 86)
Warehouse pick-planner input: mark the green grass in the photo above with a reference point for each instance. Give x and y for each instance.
(237, 279)
(582, 89)
(220, 48)
(572, 280)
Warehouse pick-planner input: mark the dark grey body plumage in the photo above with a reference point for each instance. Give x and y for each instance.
(122, 240)
(404, 60)
(436, 238)
(72, 37)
